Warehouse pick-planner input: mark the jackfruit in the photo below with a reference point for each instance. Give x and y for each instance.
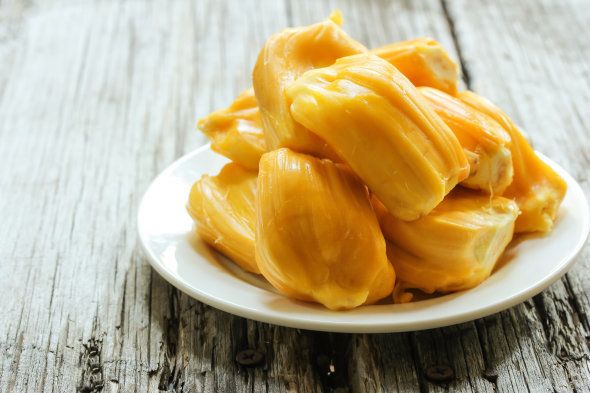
(453, 248)
(285, 56)
(317, 237)
(424, 62)
(486, 143)
(536, 187)
(380, 125)
(236, 131)
(224, 208)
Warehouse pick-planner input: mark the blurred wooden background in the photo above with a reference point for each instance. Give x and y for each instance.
(97, 97)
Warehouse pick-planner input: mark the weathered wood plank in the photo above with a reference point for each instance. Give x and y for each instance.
(97, 97)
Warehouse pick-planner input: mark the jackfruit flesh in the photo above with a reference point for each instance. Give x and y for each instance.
(224, 208)
(362, 175)
(536, 187)
(486, 143)
(424, 62)
(286, 56)
(317, 237)
(236, 131)
(453, 248)
(378, 122)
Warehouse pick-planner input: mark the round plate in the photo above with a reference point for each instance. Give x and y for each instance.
(529, 265)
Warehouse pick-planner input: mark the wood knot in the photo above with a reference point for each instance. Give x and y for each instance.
(250, 357)
(440, 373)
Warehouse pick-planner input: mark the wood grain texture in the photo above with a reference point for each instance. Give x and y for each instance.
(97, 97)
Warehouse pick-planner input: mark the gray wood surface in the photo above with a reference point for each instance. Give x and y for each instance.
(97, 97)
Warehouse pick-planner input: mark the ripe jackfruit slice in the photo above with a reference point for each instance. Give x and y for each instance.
(236, 131)
(381, 126)
(285, 56)
(317, 237)
(536, 187)
(486, 143)
(424, 62)
(224, 208)
(453, 248)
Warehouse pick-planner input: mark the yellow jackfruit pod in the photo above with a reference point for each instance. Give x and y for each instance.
(236, 131)
(317, 237)
(224, 208)
(382, 127)
(536, 187)
(453, 248)
(424, 62)
(285, 56)
(486, 143)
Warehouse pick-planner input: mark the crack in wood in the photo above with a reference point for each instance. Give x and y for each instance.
(465, 73)
(289, 12)
(422, 383)
(574, 302)
(170, 368)
(489, 373)
(331, 352)
(560, 322)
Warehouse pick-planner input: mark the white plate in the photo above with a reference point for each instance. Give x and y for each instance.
(166, 233)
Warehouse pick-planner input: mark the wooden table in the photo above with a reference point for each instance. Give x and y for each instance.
(97, 97)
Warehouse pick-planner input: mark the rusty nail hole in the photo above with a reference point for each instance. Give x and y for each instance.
(250, 357)
(490, 376)
(440, 373)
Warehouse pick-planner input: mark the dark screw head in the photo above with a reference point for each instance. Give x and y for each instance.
(440, 373)
(250, 358)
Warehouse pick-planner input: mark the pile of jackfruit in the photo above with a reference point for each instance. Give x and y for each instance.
(360, 176)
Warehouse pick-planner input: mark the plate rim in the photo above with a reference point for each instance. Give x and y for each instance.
(360, 327)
